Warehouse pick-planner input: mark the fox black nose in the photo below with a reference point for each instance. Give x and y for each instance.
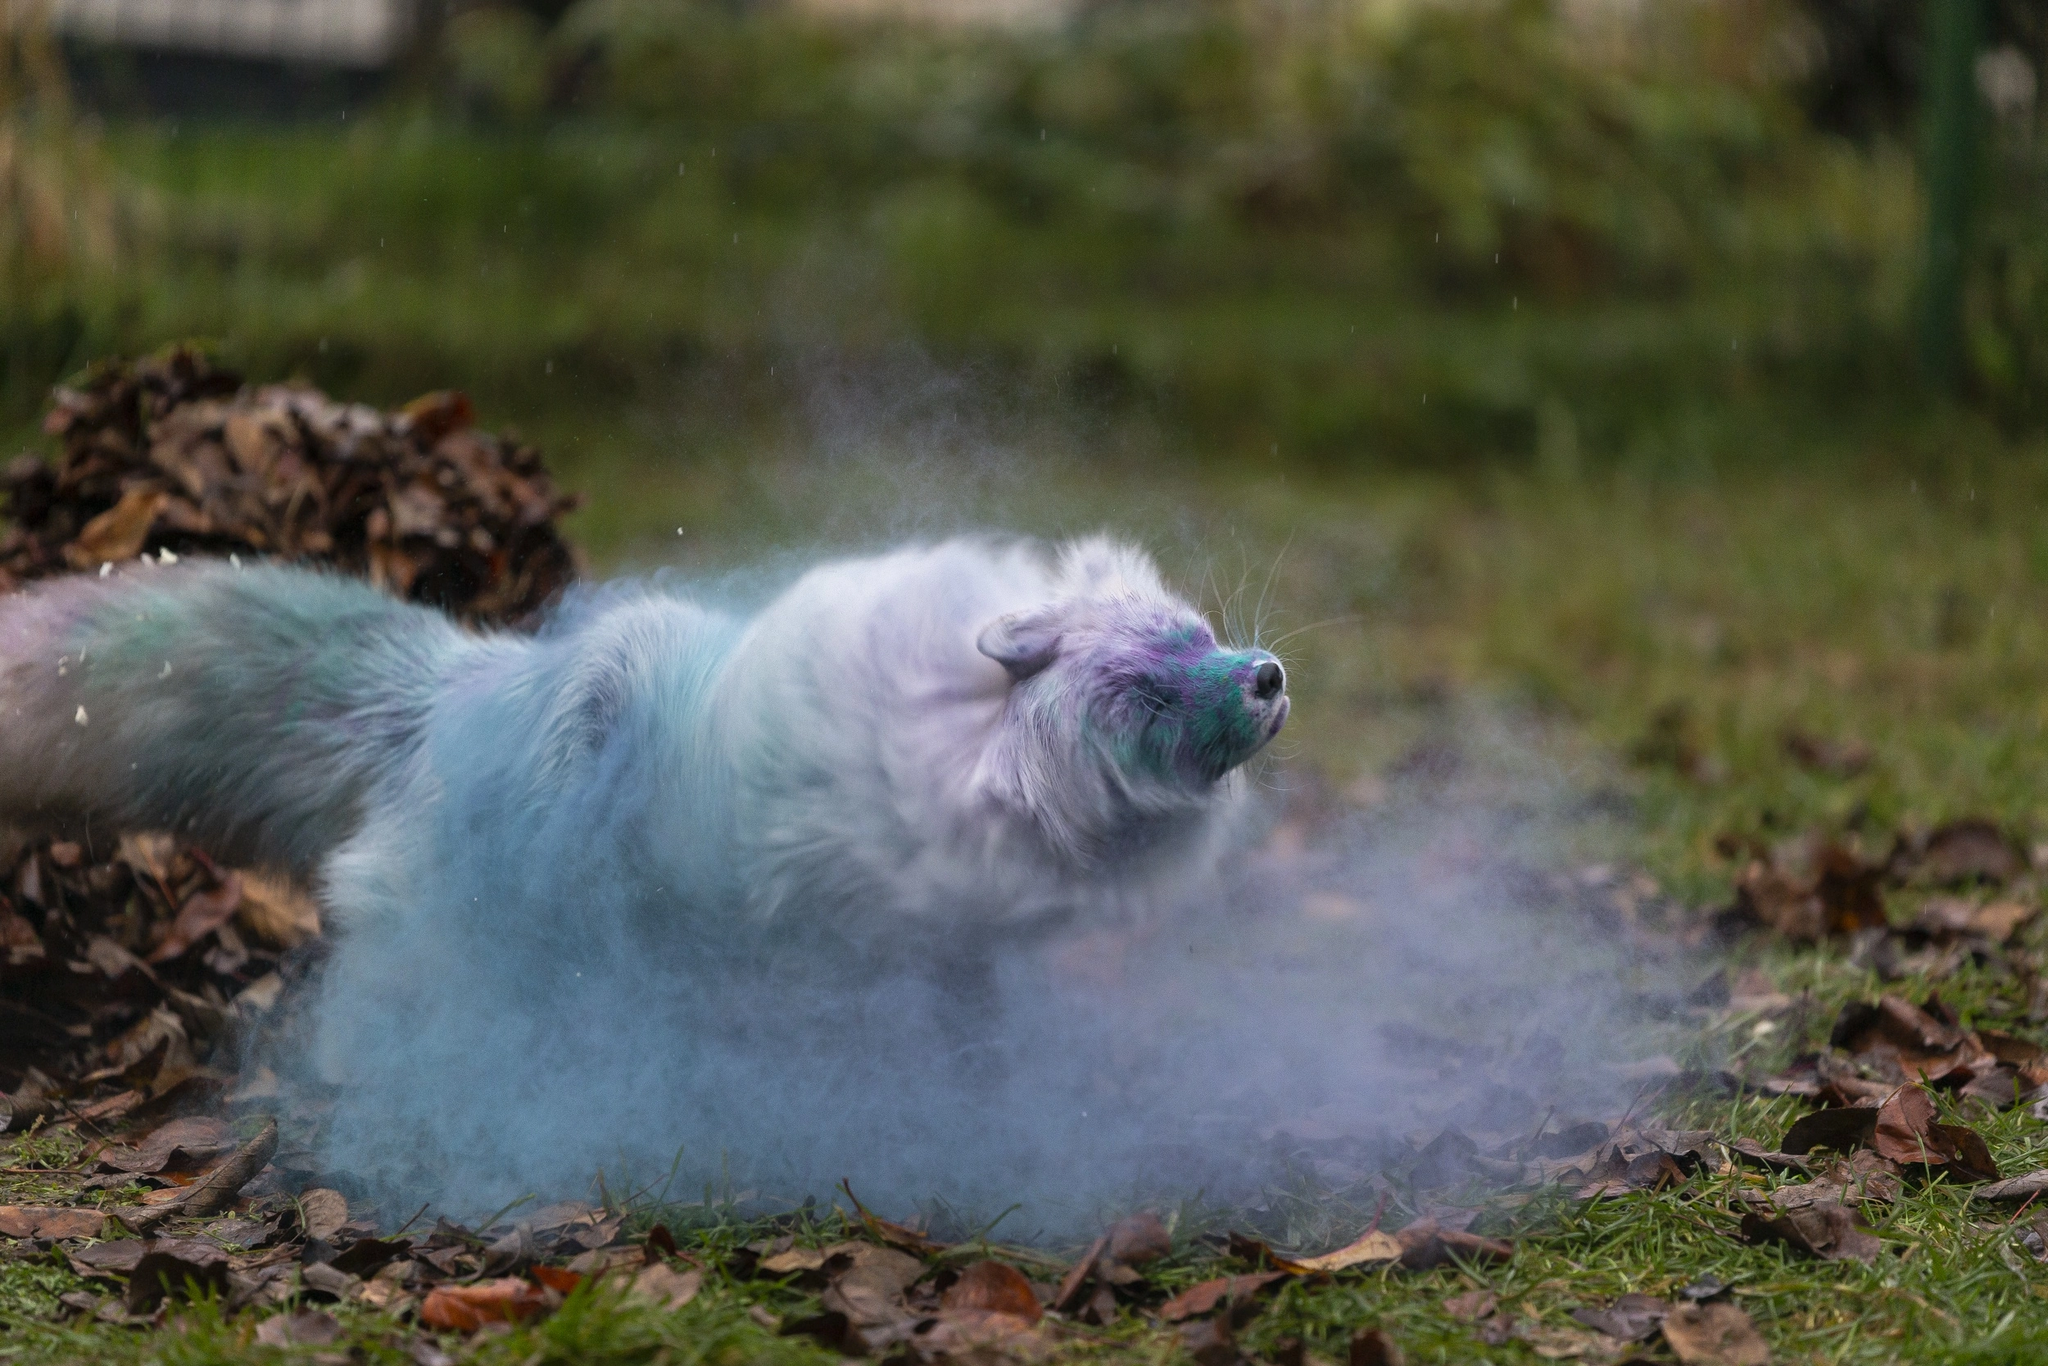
(1268, 680)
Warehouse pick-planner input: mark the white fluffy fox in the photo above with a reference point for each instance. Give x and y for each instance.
(659, 873)
(963, 732)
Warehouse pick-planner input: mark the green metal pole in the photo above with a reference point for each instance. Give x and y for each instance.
(1950, 120)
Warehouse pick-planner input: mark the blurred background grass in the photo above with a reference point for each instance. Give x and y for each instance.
(1640, 230)
(1564, 352)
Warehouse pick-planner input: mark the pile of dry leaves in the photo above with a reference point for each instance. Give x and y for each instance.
(129, 961)
(174, 454)
(124, 974)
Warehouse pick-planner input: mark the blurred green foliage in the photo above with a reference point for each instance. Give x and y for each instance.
(57, 220)
(1339, 230)
(2007, 309)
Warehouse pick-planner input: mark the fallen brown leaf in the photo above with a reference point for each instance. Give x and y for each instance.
(1207, 1296)
(1472, 1306)
(116, 1258)
(466, 1308)
(1893, 1020)
(1715, 1334)
(186, 1144)
(302, 1328)
(967, 1336)
(1842, 1129)
(1996, 1088)
(795, 1261)
(1849, 891)
(319, 1278)
(216, 1190)
(1827, 889)
(1863, 1177)
(1622, 1176)
(119, 532)
(995, 1288)
(434, 415)
(558, 1279)
(2023, 1187)
(867, 1287)
(323, 1211)
(1139, 1238)
(172, 452)
(659, 1283)
(2011, 1048)
(171, 1266)
(1372, 1249)
(202, 914)
(605, 1261)
(30, 1221)
(1800, 1077)
(1373, 1347)
(1908, 1133)
(1824, 1230)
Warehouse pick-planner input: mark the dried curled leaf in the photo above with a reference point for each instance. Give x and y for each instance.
(1825, 1229)
(1715, 1334)
(466, 1308)
(1204, 1298)
(30, 1221)
(1372, 1249)
(996, 1288)
(173, 453)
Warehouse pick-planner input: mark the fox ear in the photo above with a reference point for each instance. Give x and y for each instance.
(1022, 642)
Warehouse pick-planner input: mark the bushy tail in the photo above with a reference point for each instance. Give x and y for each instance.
(251, 708)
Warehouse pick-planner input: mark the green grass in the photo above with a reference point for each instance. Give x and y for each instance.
(539, 267)
(1897, 595)
(1475, 234)
(1954, 1286)
(1760, 599)
(1700, 476)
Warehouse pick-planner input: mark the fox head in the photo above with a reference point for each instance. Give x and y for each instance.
(1123, 706)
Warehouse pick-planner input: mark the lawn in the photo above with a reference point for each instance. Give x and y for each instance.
(1548, 405)
(1889, 596)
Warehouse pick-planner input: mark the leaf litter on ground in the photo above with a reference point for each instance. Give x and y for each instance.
(217, 947)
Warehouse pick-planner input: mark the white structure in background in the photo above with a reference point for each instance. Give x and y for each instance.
(951, 13)
(359, 33)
